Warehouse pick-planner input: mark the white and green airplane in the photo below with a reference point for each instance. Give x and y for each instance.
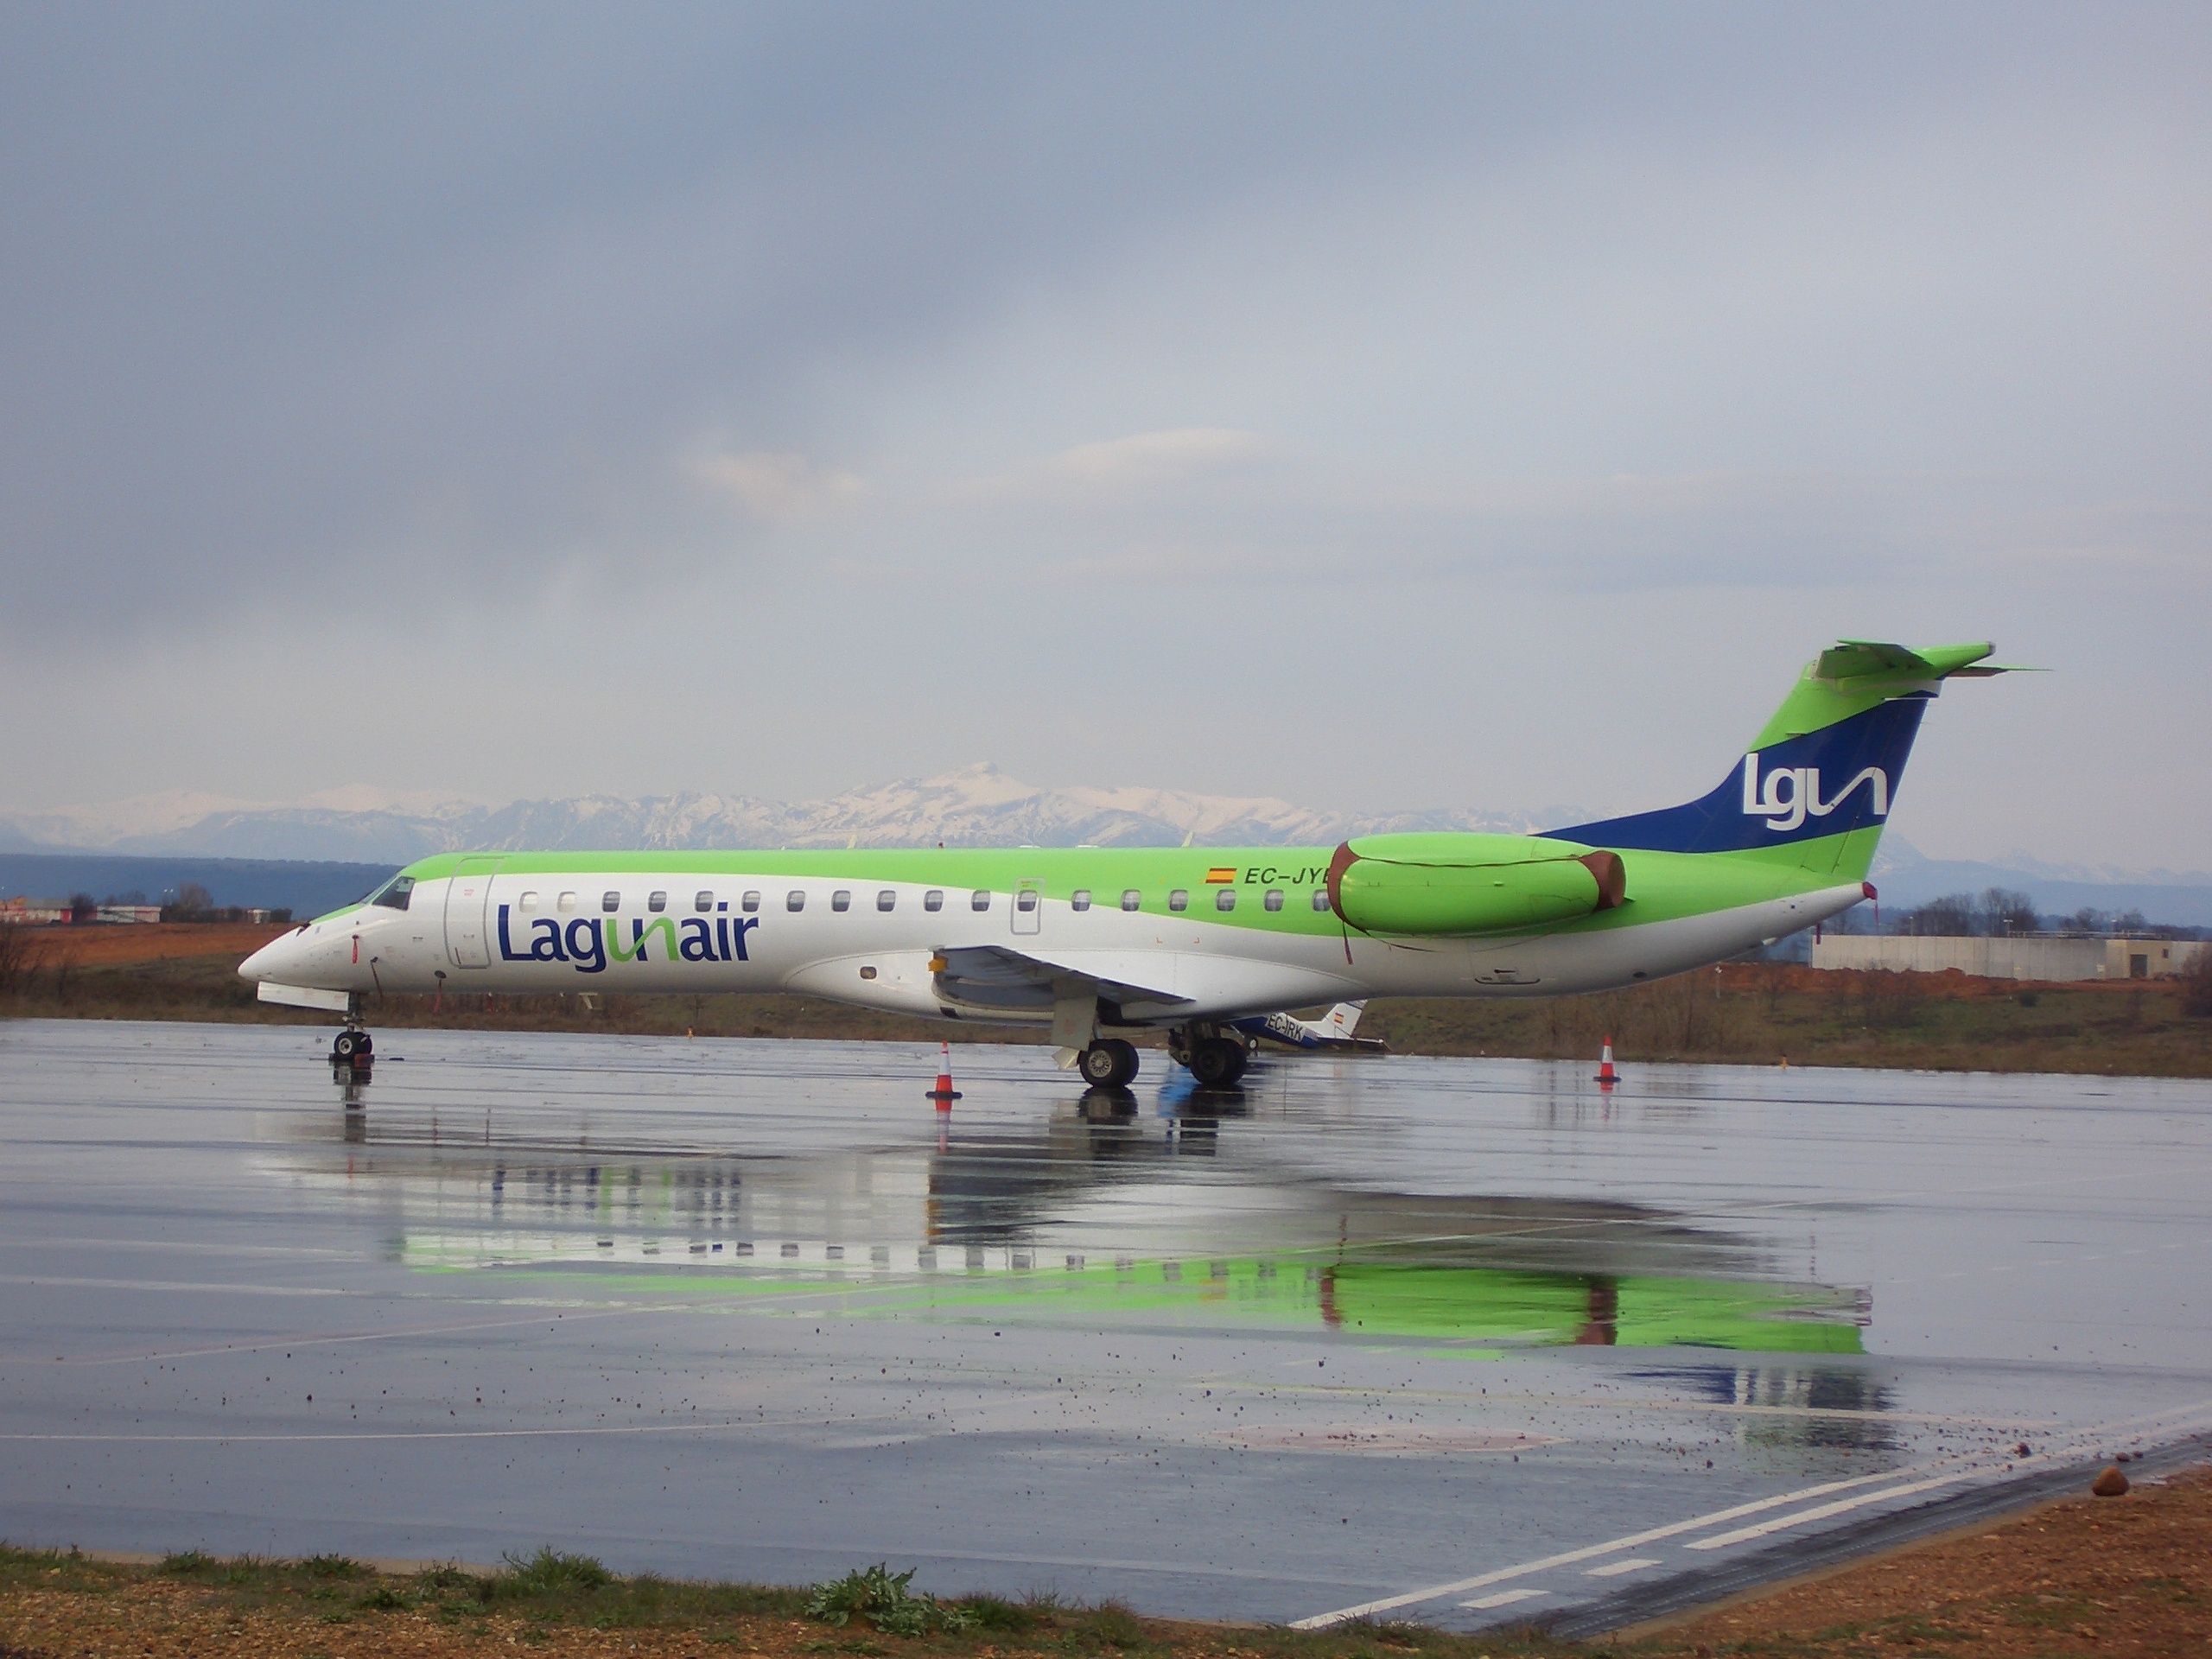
(1095, 943)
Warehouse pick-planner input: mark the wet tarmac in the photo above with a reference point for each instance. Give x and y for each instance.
(1456, 1340)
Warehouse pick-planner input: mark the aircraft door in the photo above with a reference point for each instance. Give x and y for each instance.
(1028, 906)
(468, 908)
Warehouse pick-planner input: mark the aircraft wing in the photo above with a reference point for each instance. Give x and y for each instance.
(997, 976)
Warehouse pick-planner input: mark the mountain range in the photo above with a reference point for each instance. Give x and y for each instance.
(975, 806)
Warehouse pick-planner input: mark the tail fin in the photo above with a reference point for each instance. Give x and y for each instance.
(1340, 1020)
(1815, 787)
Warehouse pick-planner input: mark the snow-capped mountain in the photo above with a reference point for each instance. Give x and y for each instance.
(975, 806)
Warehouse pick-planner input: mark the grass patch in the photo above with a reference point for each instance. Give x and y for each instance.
(882, 1598)
(553, 1597)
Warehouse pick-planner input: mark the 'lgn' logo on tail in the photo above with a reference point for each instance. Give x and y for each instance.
(1787, 794)
(1779, 794)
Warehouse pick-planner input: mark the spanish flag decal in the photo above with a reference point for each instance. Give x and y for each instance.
(1219, 874)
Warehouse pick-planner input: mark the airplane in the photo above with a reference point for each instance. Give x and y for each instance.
(1093, 943)
(1332, 1031)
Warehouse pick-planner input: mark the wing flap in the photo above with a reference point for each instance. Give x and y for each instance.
(997, 976)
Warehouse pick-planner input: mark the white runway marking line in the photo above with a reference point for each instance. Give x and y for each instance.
(1782, 1523)
(2083, 1442)
(1503, 1597)
(1588, 1552)
(1614, 1569)
(2088, 1442)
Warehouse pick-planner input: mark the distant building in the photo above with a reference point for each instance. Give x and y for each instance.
(33, 912)
(2043, 958)
(128, 913)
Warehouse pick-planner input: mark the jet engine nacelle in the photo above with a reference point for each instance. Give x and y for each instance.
(1464, 884)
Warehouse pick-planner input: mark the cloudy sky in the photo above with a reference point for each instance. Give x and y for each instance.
(1380, 408)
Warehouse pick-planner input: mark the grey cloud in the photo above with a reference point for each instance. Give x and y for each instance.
(1042, 383)
(451, 292)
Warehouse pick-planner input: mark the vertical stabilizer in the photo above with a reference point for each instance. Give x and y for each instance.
(1815, 788)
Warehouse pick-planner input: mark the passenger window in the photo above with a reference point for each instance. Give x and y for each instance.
(394, 895)
(703, 901)
(568, 901)
(841, 900)
(1320, 898)
(528, 901)
(887, 899)
(610, 900)
(1179, 900)
(1079, 899)
(1131, 898)
(750, 902)
(1273, 901)
(1225, 899)
(1025, 901)
(980, 899)
(658, 901)
(795, 899)
(933, 900)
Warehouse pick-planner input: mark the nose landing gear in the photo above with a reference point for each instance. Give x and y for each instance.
(353, 1046)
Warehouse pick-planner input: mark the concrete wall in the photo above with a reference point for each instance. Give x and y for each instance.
(2046, 959)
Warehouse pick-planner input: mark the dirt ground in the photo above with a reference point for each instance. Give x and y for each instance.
(1757, 1013)
(2107, 1577)
(121, 946)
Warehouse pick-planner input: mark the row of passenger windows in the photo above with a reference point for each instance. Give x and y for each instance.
(1024, 901)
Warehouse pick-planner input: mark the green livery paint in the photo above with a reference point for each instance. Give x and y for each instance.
(1096, 940)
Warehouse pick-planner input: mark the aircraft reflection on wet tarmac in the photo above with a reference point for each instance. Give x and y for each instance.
(1090, 1215)
(1461, 1339)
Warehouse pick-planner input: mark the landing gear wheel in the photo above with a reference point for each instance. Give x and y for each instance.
(1110, 1064)
(352, 1046)
(1215, 1062)
(1126, 1054)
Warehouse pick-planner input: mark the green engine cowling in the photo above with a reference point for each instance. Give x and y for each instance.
(1463, 883)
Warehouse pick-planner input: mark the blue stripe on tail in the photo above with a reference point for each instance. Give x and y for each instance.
(1840, 777)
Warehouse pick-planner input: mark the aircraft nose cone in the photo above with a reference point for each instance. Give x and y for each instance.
(263, 963)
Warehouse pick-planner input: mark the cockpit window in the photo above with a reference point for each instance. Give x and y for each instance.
(393, 894)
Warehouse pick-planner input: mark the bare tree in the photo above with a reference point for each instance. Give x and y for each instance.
(192, 904)
(1952, 916)
(2005, 914)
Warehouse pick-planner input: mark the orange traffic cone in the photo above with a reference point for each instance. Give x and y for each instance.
(944, 1094)
(1607, 1075)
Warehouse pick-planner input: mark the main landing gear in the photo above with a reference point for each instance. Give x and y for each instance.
(1215, 1061)
(1110, 1063)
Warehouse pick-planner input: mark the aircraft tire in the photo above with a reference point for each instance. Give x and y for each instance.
(1215, 1062)
(350, 1046)
(1125, 1061)
(1108, 1063)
